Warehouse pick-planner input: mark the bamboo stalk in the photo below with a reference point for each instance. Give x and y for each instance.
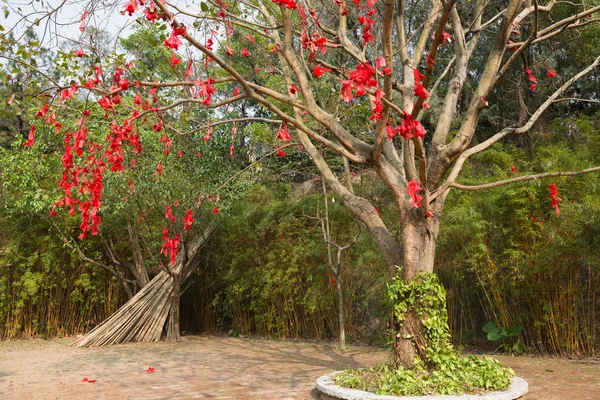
(143, 317)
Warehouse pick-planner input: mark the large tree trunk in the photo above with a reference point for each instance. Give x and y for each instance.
(409, 342)
(419, 237)
(415, 252)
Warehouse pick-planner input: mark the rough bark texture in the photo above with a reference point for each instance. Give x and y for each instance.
(419, 237)
(410, 341)
(139, 270)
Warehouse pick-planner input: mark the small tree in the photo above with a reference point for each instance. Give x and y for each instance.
(334, 264)
(318, 66)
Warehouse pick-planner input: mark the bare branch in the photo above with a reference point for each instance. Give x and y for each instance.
(242, 171)
(440, 79)
(256, 28)
(523, 178)
(427, 26)
(71, 243)
(448, 7)
(230, 121)
(488, 22)
(187, 101)
(535, 8)
(401, 32)
(182, 83)
(577, 99)
(467, 129)
(31, 67)
(277, 95)
(560, 27)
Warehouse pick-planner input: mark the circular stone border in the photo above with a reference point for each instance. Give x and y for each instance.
(326, 385)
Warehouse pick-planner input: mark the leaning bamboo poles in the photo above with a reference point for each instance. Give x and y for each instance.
(137, 320)
(143, 317)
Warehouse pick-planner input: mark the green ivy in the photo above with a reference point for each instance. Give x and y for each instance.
(445, 371)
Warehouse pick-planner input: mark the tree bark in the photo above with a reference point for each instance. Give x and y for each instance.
(410, 341)
(419, 238)
(337, 270)
(348, 174)
(139, 270)
(340, 294)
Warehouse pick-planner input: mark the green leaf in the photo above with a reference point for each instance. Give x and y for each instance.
(519, 347)
(490, 326)
(494, 335)
(513, 330)
(204, 7)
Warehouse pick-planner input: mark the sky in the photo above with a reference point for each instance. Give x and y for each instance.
(55, 32)
(65, 22)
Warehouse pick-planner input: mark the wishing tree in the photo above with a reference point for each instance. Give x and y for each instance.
(314, 66)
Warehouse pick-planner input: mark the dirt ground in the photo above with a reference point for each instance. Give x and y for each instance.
(201, 367)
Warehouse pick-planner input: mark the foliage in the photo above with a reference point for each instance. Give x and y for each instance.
(505, 256)
(268, 269)
(46, 292)
(445, 371)
(509, 336)
(47, 289)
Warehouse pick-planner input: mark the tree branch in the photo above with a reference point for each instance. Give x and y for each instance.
(523, 178)
(467, 129)
(388, 25)
(230, 121)
(506, 131)
(71, 243)
(577, 99)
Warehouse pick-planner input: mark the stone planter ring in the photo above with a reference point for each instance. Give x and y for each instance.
(328, 390)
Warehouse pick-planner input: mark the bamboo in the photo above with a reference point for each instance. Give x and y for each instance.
(143, 317)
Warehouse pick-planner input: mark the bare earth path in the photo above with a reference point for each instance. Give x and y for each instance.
(229, 368)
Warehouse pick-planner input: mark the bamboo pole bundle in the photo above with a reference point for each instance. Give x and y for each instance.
(143, 317)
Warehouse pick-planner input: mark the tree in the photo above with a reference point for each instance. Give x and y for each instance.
(129, 247)
(386, 60)
(335, 267)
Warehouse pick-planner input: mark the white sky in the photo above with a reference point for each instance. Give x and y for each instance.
(65, 22)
